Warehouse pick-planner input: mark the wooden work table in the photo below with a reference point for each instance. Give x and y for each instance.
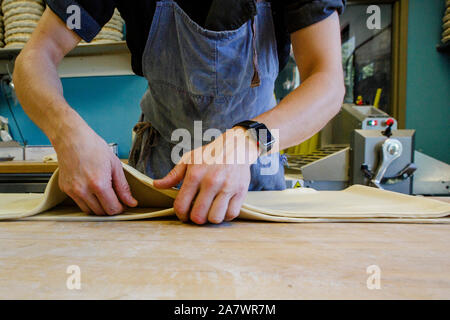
(27, 167)
(166, 259)
(8, 167)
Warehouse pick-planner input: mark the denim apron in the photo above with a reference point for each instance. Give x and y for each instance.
(218, 78)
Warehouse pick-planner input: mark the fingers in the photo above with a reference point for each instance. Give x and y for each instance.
(95, 196)
(173, 177)
(202, 204)
(88, 203)
(211, 195)
(108, 198)
(185, 197)
(121, 185)
(104, 201)
(219, 208)
(234, 206)
(81, 204)
(93, 204)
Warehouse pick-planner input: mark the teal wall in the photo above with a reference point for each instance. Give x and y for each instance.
(428, 80)
(110, 105)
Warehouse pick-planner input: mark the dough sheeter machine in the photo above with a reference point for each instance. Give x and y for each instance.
(362, 145)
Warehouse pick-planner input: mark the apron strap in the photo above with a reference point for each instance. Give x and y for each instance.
(256, 81)
(144, 140)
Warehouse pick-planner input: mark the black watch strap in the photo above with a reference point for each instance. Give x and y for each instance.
(247, 124)
(260, 133)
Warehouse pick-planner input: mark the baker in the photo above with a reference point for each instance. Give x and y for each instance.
(210, 65)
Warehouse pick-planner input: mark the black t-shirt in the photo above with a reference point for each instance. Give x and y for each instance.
(218, 15)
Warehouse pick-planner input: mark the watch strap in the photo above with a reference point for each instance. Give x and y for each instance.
(266, 145)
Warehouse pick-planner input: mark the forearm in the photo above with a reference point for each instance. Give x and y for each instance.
(306, 110)
(317, 51)
(40, 93)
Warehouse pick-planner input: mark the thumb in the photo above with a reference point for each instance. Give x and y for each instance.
(121, 186)
(172, 178)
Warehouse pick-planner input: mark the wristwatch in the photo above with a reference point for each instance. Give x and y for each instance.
(260, 133)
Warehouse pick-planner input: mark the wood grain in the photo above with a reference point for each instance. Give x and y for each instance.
(27, 167)
(31, 166)
(166, 259)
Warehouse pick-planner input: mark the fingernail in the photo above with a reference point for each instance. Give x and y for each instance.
(114, 211)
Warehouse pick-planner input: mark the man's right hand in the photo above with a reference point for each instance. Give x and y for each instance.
(89, 171)
(91, 174)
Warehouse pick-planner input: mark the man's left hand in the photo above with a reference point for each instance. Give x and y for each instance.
(215, 186)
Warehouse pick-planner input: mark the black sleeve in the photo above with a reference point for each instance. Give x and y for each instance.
(94, 14)
(303, 13)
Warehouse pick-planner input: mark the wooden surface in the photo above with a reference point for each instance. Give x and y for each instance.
(27, 167)
(165, 259)
(30, 166)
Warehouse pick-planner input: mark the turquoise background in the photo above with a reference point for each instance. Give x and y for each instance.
(428, 80)
(110, 105)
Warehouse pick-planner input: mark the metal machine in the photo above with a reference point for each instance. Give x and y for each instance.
(362, 145)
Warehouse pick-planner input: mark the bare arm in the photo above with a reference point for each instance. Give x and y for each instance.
(39, 88)
(309, 107)
(89, 171)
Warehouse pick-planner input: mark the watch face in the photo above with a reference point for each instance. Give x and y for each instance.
(264, 137)
(260, 133)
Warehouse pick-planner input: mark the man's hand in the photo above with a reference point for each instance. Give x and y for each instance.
(89, 172)
(92, 175)
(214, 187)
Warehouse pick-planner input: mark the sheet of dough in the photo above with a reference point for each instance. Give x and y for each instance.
(55, 205)
(355, 204)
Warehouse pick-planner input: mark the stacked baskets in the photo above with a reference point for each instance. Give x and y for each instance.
(446, 26)
(2, 31)
(112, 31)
(20, 18)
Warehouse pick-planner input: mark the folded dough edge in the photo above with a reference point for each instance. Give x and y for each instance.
(354, 204)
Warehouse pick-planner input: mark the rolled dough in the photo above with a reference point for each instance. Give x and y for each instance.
(355, 204)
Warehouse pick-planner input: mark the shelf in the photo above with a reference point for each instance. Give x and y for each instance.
(90, 49)
(83, 49)
(87, 59)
